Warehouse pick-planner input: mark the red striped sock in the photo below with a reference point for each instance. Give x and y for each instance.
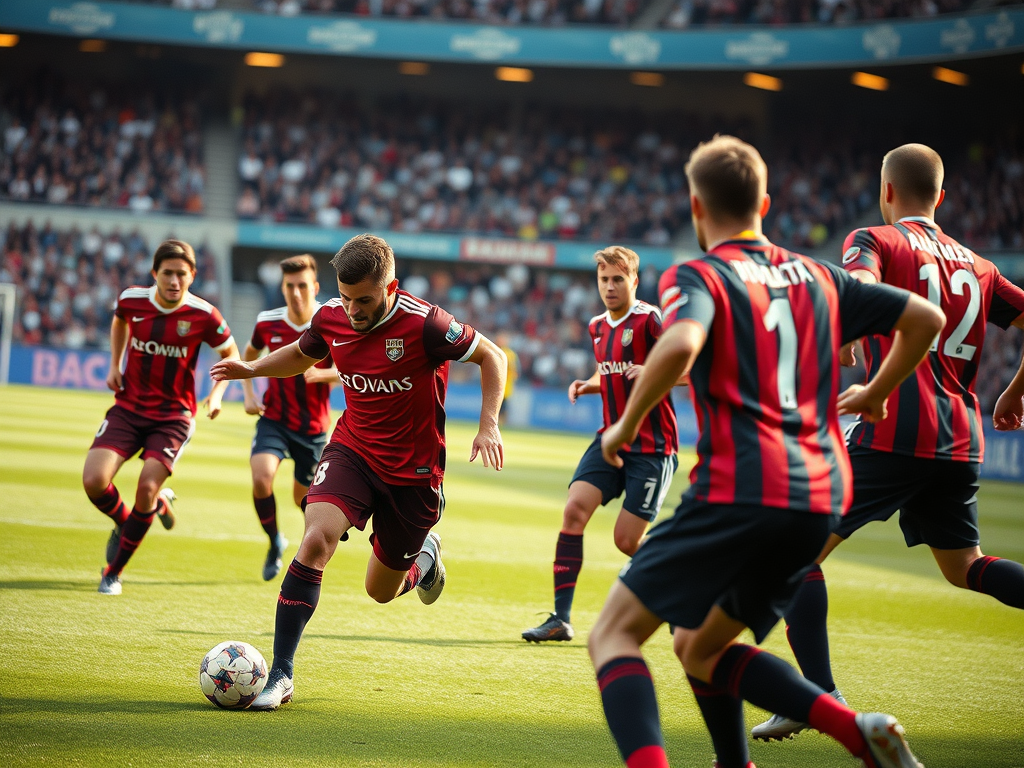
(111, 505)
(838, 721)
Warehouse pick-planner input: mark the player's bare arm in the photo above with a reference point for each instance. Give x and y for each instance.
(1008, 414)
(252, 404)
(118, 344)
(591, 386)
(213, 400)
(915, 331)
(493, 370)
(669, 362)
(284, 362)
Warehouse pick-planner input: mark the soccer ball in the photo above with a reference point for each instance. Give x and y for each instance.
(232, 674)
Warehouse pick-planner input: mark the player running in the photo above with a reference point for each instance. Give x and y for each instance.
(160, 329)
(759, 331)
(386, 457)
(622, 339)
(924, 458)
(295, 412)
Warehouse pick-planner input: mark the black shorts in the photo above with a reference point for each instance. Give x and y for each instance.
(937, 498)
(645, 477)
(275, 438)
(749, 560)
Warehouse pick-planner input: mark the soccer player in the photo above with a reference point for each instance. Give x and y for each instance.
(924, 458)
(385, 460)
(160, 330)
(759, 331)
(622, 337)
(295, 412)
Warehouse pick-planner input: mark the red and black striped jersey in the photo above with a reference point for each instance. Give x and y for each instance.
(395, 378)
(934, 414)
(618, 344)
(298, 406)
(764, 386)
(163, 348)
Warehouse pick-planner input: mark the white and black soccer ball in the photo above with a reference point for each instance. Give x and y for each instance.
(232, 674)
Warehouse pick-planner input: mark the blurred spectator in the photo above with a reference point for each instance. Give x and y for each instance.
(698, 13)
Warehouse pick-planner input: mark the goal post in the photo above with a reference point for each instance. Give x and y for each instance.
(8, 296)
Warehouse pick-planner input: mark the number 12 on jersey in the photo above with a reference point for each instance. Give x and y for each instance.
(958, 281)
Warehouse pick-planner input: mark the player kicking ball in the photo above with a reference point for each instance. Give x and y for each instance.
(385, 460)
(759, 331)
(924, 459)
(622, 338)
(295, 411)
(156, 332)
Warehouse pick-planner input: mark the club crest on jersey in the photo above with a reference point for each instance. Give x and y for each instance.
(627, 337)
(395, 348)
(184, 326)
(454, 332)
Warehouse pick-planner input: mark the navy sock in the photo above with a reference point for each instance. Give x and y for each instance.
(1002, 579)
(132, 533)
(568, 562)
(266, 510)
(631, 709)
(765, 681)
(807, 630)
(300, 592)
(723, 715)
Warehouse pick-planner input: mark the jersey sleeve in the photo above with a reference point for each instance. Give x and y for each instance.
(861, 250)
(866, 309)
(119, 309)
(311, 342)
(259, 338)
(445, 338)
(685, 296)
(217, 334)
(1007, 303)
(653, 327)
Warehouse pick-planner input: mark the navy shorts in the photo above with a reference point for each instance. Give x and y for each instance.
(937, 498)
(645, 477)
(275, 438)
(749, 560)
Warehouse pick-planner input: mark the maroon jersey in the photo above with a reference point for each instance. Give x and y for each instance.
(764, 386)
(300, 407)
(395, 378)
(617, 345)
(163, 348)
(935, 413)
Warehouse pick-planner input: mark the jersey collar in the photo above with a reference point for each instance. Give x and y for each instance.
(746, 236)
(386, 317)
(919, 220)
(616, 323)
(162, 309)
(293, 326)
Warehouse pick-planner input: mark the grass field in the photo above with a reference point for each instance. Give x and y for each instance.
(91, 680)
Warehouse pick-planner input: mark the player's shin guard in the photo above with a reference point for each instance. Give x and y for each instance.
(1002, 579)
(300, 592)
(631, 709)
(111, 505)
(266, 510)
(568, 562)
(723, 715)
(132, 533)
(807, 630)
(770, 683)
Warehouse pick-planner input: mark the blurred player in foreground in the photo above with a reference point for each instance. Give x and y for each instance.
(160, 328)
(924, 459)
(759, 331)
(385, 460)
(295, 412)
(622, 339)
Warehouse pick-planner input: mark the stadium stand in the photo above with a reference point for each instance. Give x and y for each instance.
(704, 13)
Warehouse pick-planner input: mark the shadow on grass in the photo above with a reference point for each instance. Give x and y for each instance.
(60, 585)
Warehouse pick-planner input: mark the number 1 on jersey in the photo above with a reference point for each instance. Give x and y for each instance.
(779, 317)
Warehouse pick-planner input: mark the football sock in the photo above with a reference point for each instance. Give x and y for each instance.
(300, 592)
(807, 630)
(568, 562)
(111, 505)
(266, 510)
(771, 684)
(631, 709)
(132, 533)
(1002, 579)
(723, 715)
(412, 578)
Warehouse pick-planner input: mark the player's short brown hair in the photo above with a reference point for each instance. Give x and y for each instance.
(620, 257)
(729, 176)
(915, 171)
(174, 249)
(294, 264)
(364, 257)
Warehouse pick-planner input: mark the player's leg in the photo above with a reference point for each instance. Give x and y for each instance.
(647, 480)
(627, 690)
(151, 479)
(269, 448)
(117, 439)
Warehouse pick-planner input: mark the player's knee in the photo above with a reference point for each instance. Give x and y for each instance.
(380, 593)
(575, 517)
(95, 483)
(627, 542)
(262, 485)
(146, 493)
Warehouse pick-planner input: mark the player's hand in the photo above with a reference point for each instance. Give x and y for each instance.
(115, 381)
(316, 375)
(848, 355)
(576, 389)
(612, 440)
(213, 405)
(862, 401)
(633, 371)
(1008, 414)
(224, 370)
(487, 444)
(253, 406)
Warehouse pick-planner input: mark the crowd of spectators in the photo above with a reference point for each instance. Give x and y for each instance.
(118, 147)
(703, 13)
(68, 280)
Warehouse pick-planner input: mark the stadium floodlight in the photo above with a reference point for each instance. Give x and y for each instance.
(649, 79)
(8, 296)
(413, 68)
(514, 74)
(92, 46)
(262, 59)
(950, 76)
(8, 40)
(869, 81)
(764, 82)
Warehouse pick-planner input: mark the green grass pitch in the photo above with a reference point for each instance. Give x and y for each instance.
(91, 680)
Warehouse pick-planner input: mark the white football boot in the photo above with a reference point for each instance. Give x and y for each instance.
(885, 741)
(777, 727)
(429, 589)
(277, 691)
